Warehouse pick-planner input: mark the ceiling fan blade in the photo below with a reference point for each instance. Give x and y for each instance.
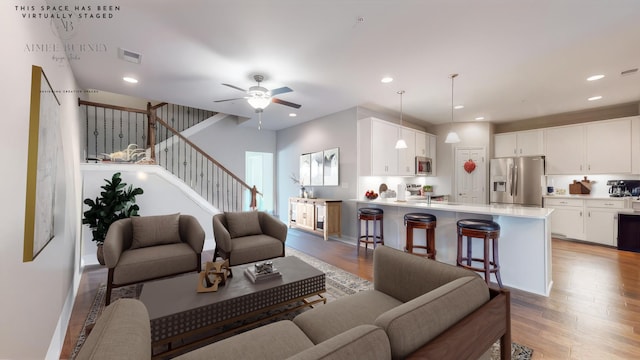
(228, 99)
(281, 90)
(235, 87)
(286, 103)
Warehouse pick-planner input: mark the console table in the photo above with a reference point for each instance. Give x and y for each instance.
(316, 215)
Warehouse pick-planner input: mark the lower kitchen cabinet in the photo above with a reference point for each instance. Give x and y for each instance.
(592, 220)
(602, 220)
(567, 218)
(321, 216)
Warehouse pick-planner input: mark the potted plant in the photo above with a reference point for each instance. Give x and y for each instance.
(114, 203)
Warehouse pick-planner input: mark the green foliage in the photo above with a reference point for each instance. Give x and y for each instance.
(115, 202)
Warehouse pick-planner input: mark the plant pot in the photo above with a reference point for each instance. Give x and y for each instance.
(100, 254)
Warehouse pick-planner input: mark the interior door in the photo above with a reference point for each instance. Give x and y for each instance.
(471, 185)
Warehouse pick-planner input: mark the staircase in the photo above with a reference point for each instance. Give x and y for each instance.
(154, 136)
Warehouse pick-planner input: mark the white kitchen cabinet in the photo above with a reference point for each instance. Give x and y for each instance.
(602, 147)
(564, 150)
(635, 145)
(407, 157)
(601, 221)
(422, 144)
(433, 143)
(520, 143)
(377, 155)
(567, 218)
(608, 147)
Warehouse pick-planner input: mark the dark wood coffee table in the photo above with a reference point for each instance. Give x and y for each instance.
(182, 318)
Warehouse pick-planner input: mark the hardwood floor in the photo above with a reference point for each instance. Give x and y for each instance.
(593, 311)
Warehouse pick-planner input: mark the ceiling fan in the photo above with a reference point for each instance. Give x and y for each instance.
(260, 97)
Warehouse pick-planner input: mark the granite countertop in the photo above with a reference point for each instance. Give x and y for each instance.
(494, 210)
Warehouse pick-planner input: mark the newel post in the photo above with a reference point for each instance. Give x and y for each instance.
(254, 201)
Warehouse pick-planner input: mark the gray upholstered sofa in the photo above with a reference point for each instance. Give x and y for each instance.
(144, 248)
(418, 308)
(250, 236)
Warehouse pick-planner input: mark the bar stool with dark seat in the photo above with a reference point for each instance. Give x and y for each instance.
(421, 221)
(487, 230)
(375, 215)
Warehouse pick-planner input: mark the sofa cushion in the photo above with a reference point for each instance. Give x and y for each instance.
(121, 332)
(362, 342)
(151, 262)
(243, 223)
(344, 313)
(155, 230)
(420, 320)
(274, 341)
(254, 248)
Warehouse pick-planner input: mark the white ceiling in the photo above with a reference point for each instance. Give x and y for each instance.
(516, 59)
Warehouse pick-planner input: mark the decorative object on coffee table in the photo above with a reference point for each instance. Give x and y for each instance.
(214, 274)
(262, 271)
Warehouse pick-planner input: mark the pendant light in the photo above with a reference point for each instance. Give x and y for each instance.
(452, 136)
(401, 144)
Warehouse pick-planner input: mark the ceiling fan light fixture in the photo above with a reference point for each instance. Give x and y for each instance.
(259, 102)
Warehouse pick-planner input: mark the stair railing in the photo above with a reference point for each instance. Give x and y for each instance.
(111, 128)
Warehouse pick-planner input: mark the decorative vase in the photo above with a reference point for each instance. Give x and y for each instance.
(100, 254)
(302, 192)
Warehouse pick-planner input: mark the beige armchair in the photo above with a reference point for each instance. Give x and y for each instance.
(245, 237)
(143, 248)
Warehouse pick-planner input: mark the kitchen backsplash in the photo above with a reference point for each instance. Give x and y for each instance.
(599, 186)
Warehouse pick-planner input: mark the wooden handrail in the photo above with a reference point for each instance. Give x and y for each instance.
(198, 149)
(114, 107)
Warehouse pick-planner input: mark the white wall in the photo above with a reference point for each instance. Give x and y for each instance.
(227, 142)
(37, 296)
(335, 130)
(163, 194)
(472, 134)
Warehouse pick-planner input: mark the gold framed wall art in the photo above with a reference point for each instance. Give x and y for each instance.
(44, 140)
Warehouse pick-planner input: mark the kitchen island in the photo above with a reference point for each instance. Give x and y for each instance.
(525, 236)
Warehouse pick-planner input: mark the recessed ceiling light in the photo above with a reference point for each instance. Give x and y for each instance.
(593, 98)
(130, 80)
(293, 115)
(386, 79)
(458, 107)
(480, 118)
(595, 77)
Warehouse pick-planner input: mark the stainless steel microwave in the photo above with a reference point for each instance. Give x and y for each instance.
(423, 166)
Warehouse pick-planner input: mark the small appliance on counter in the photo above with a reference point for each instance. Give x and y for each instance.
(623, 188)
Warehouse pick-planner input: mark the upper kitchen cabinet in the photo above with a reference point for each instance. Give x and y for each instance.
(602, 147)
(377, 155)
(635, 145)
(520, 143)
(377, 152)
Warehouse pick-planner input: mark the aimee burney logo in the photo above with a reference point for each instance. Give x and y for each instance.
(66, 22)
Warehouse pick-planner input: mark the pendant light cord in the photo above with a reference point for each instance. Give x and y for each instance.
(401, 92)
(453, 76)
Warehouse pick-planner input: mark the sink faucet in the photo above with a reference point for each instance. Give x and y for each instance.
(428, 199)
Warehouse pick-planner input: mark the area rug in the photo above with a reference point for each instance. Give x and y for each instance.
(338, 283)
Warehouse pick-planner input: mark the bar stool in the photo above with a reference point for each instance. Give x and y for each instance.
(421, 221)
(487, 230)
(375, 215)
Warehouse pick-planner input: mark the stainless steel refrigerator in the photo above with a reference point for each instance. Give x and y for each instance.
(517, 180)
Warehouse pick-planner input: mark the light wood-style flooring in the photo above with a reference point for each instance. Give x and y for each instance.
(593, 311)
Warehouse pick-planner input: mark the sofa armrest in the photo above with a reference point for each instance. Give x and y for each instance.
(405, 276)
(361, 342)
(121, 332)
(192, 232)
(272, 226)
(220, 233)
(415, 323)
(118, 239)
